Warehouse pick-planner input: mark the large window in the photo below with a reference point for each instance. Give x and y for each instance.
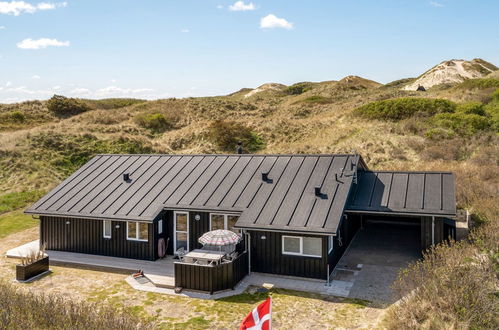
(107, 227)
(224, 221)
(302, 246)
(137, 231)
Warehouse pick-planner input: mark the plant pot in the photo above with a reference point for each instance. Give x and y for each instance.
(26, 272)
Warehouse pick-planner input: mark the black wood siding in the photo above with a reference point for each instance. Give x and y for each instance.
(267, 257)
(426, 229)
(211, 278)
(346, 231)
(85, 236)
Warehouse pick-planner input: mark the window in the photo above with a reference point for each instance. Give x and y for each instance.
(224, 221)
(181, 228)
(302, 246)
(330, 243)
(160, 227)
(106, 232)
(137, 231)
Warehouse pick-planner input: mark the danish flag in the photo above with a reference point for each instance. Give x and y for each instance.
(260, 317)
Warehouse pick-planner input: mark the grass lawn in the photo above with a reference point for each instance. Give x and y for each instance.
(14, 222)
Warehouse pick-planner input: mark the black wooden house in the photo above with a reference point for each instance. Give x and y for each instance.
(296, 213)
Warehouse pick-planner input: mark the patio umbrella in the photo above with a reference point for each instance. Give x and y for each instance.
(219, 237)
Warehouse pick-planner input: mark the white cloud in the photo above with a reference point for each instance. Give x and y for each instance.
(41, 43)
(115, 91)
(220, 6)
(241, 6)
(436, 4)
(80, 91)
(2, 27)
(17, 8)
(35, 76)
(271, 21)
(185, 30)
(8, 83)
(56, 87)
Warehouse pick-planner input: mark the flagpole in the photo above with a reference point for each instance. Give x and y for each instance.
(270, 321)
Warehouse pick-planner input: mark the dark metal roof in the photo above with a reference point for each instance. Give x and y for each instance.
(287, 201)
(431, 193)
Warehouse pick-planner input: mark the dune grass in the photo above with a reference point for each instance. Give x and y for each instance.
(14, 222)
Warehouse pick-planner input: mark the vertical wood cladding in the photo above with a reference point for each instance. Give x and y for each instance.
(267, 257)
(426, 232)
(346, 231)
(85, 236)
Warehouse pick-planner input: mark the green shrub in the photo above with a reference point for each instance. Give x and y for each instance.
(462, 123)
(482, 83)
(401, 108)
(156, 122)
(62, 106)
(316, 99)
(471, 108)
(12, 117)
(226, 135)
(113, 103)
(492, 110)
(439, 133)
(16, 200)
(69, 152)
(298, 88)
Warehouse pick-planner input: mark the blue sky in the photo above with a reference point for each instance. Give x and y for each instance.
(178, 48)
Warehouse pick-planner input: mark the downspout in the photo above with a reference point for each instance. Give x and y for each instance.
(249, 252)
(433, 230)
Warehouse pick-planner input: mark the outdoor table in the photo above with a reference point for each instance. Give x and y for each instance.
(198, 254)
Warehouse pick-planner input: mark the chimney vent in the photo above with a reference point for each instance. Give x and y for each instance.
(265, 176)
(318, 191)
(126, 177)
(239, 148)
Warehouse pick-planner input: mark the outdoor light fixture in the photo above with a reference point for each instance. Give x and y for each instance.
(197, 217)
(67, 222)
(117, 226)
(263, 237)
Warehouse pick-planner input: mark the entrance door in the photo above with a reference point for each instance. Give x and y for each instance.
(181, 229)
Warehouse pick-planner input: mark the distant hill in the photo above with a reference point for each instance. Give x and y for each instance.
(451, 72)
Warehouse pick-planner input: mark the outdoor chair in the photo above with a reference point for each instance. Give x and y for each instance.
(181, 253)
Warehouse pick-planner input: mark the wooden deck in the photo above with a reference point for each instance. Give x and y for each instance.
(160, 272)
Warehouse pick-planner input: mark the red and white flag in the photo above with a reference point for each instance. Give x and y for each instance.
(260, 317)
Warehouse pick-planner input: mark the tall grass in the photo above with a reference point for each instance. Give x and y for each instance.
(454, 287)
(21, 309)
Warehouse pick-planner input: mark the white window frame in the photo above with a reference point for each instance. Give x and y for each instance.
(104, 229)
(180, 231)
(160, 226)
(301, 254)
(137, 231)
(226, 221)
(330, 242)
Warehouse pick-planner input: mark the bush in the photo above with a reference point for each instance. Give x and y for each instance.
(492, 110)
(462, 123)
(25, 310)
(13, 117)
(62, 106)
(401, 108)
(69, 152)
(453, 287)
(298, 88)
(482, 83)
(316, 99)
(226, 135)
(113, 103)
(156, 122)
(475, 108)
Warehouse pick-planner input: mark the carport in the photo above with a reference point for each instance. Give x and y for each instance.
(401, 214)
